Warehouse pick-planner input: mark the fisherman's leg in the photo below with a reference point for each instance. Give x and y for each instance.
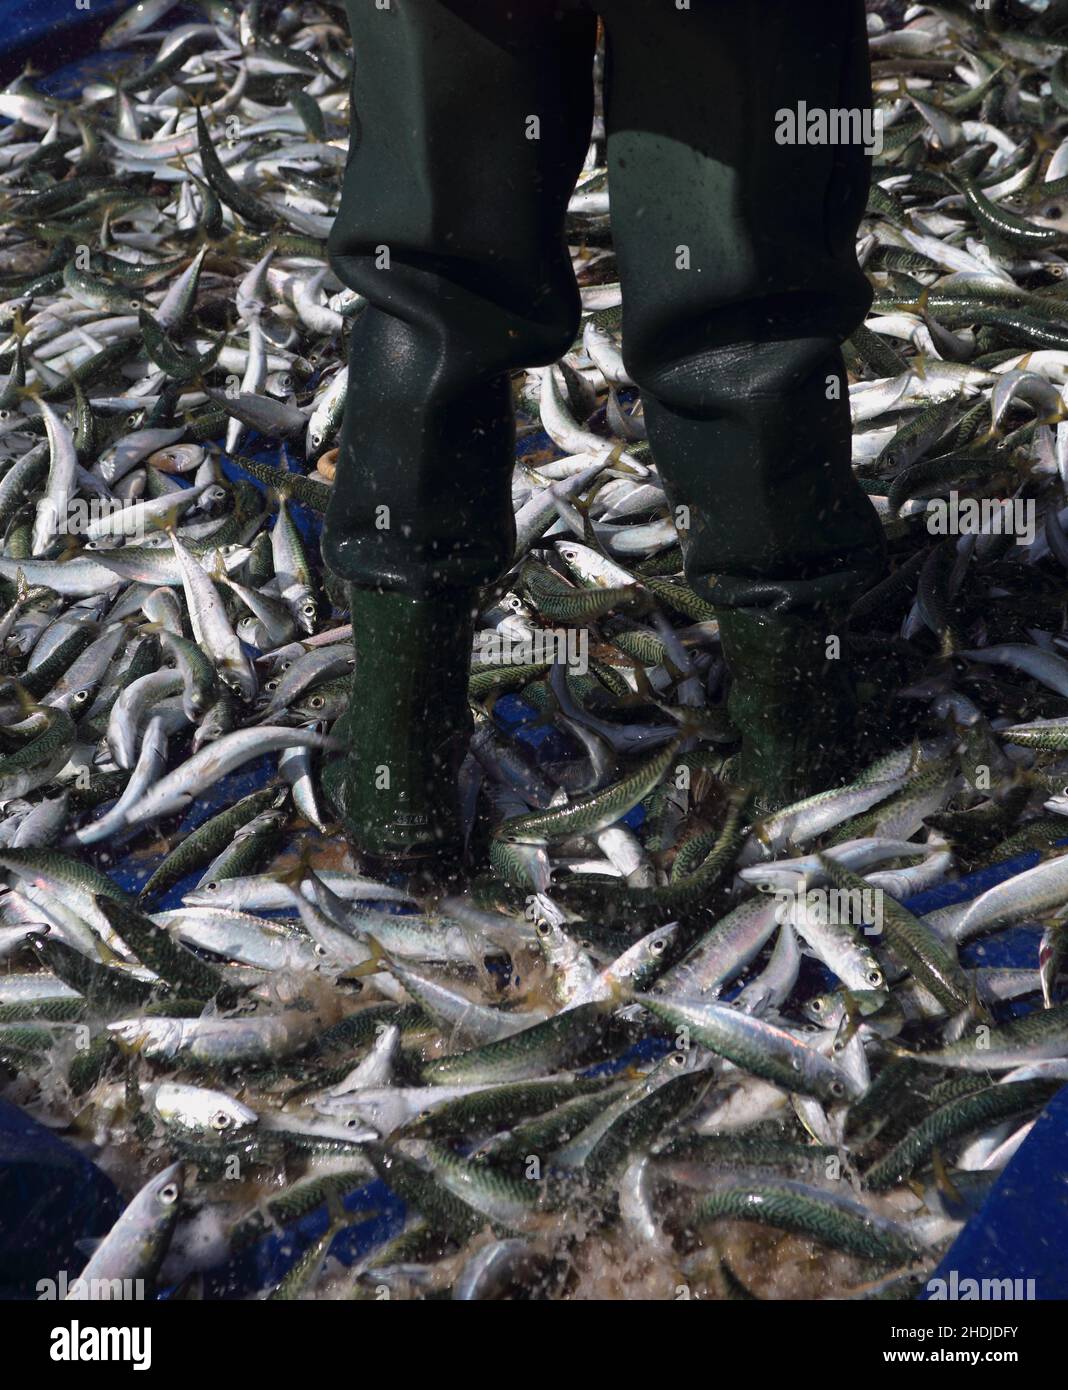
(740, 282)
(469, 126)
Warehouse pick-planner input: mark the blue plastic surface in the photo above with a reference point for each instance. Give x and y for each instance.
(1021, 1231)
(265, 1263)
(51, 1198)
(47, 31)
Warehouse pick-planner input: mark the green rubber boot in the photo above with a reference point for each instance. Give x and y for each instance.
(405, 733)
(793, 700)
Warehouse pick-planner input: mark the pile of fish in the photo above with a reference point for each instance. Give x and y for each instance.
(656, 1043)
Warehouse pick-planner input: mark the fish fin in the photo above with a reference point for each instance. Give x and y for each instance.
(293, 877)
(620, 991)
(131, 1049)
(379, 961)
(977, 1010)
(943, 1181)
(27, 704)
(852, 1020)
(72, 549)
(335, 1210)
(166, 521)
(105, 953)
(759, 829)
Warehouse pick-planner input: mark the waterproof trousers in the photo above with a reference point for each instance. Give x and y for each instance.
(471, 120)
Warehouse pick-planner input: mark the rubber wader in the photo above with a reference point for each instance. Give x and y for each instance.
(736, 254)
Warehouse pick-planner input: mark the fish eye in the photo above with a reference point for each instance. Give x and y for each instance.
(271, 685)
(220, 1120)
(424, 1115)
(319, 950)
(658, 945)
(80, 696)
(351, 1122)
(316, 702)
(309, 609)
(1054, 211)
(210, 887)
(875, 978)
(678, 1059)
(816, 1006)
(542, 928)
(169, 1195)
(837, 1089)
